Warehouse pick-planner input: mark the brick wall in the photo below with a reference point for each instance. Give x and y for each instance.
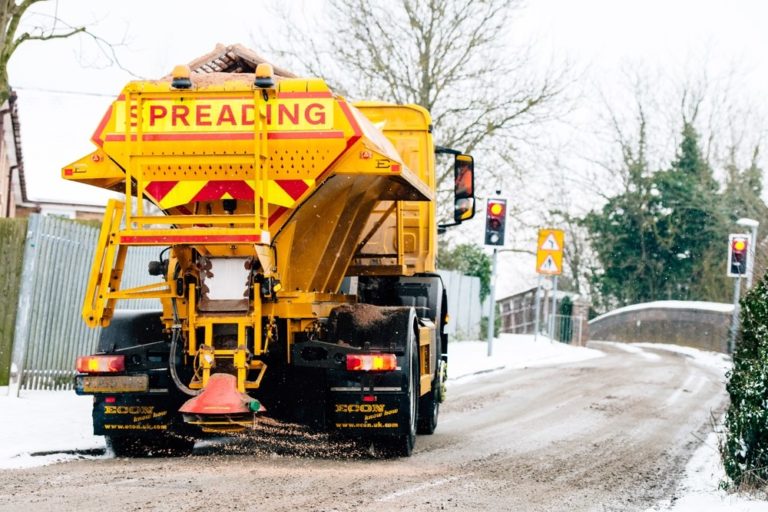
(699, 327)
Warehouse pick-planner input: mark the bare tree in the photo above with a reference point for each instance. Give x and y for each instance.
(644, 125)
(50, 27)
(452, 57)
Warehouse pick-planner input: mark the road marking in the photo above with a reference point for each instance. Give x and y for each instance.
(674, 397)
(420, 487)
(700, 383)
(633, 349)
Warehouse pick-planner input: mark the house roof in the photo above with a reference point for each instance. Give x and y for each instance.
(233, 58)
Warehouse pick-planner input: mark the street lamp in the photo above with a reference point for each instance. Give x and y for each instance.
(752, 224)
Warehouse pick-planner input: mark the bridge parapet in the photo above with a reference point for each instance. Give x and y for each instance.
(702, 325)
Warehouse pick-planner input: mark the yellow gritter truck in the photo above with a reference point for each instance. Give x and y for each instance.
(296, 237)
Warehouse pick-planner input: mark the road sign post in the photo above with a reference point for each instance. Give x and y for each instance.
(553, 314)
(538, 308)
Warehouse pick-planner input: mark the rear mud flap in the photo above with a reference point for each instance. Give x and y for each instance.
(132, 414)
(368, 415)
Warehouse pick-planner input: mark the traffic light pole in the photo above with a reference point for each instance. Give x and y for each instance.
(492, 307)
(735, 316)
(752, 251)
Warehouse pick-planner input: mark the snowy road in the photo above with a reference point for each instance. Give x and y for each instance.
(611, 433)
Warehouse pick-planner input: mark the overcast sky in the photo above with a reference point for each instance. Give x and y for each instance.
(599, 36)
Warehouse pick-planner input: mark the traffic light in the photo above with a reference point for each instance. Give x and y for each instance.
(495, 221)
(738, 255)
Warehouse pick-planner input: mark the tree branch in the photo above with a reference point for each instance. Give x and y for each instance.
(26, 36)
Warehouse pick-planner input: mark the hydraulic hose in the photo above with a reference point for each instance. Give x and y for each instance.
(172, 356)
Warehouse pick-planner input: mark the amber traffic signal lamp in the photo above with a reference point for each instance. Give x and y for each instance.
(495, 221)
(738, 255)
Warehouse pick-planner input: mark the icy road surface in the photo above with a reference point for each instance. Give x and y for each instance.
(607, 433)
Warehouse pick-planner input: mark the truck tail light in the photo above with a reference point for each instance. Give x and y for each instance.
(371, 362)
(100, 364)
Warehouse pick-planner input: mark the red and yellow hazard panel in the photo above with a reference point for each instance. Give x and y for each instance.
(170, 194)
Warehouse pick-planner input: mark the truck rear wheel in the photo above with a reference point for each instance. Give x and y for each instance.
(429, 404)
(429, 409)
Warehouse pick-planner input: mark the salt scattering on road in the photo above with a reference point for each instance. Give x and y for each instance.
(60, 421)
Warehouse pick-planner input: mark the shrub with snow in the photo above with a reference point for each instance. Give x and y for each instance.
(745, 448)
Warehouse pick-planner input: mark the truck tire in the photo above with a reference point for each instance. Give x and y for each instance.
(430, 408)
(168, 445)
(429, 404)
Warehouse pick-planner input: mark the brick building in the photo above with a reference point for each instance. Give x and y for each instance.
(14, 201)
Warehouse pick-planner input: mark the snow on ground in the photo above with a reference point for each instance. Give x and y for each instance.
(47, 422)
(699, 489)
(468, 358)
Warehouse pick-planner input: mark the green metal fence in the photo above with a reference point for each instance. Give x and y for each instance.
(568, 328)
